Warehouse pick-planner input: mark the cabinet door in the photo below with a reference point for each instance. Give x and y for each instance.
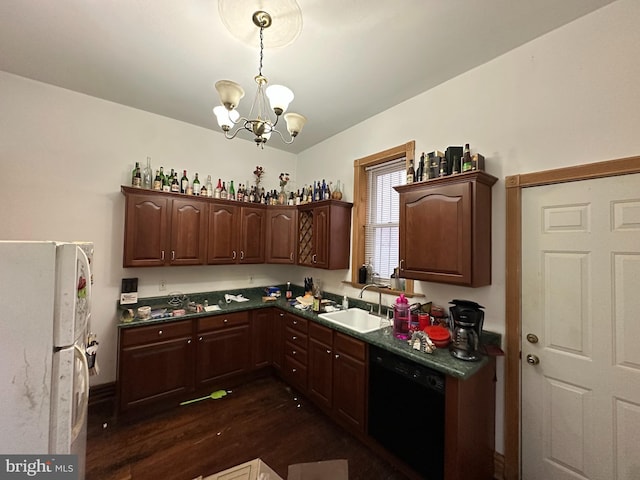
(222, 353)
(281, 244)
(320, 365)
(252, 231)
(188, 232)
(349, 381)
(436, 235)
(146, 228)
(155, 363)
(222, 245)
(321, 237)
(277, 352)
(261, 337)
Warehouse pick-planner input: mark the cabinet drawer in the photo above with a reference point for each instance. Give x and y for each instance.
(295, 337)
(295, 373)
(321, 333)
(297, 323)
(350, 346)
(221, 321)
(293, 351)
(153, 333)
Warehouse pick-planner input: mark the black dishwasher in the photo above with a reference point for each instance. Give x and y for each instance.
(406, 411)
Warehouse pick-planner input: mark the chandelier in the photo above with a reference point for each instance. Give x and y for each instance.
(263, 116)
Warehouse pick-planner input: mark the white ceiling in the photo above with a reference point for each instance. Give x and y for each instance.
(353, 59)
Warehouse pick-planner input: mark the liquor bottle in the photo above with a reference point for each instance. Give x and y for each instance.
(162, 175)
(292, 199)
(324, 190)
(240, 193)
(252, 194)
(157, 182)
(411, 172)
(217, 193)
(184, 182)
(223, 191)
(175, 185)
(232, 191)
(466, 158)
(147, 175)
(136, 176)
(420, 172)
(203, 191)
(196, 185)
(209, 186)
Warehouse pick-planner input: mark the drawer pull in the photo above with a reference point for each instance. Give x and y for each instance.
(189, 341)
(199, 339)
(329, 351)
(337, 355)
(294, 338)
(226, 320)
(159, 332)
(293, 370)
(295, 322)
(293, 352)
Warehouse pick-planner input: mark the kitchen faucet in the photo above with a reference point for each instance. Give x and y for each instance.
(379, 287)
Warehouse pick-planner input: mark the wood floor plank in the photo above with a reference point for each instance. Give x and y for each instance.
(263, 418)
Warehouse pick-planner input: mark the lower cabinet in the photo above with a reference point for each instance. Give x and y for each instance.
(155, 363)
(262, 337)
(223, 347)
(294, 364)
(337, 375)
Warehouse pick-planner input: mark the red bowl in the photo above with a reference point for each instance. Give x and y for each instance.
(439, 335)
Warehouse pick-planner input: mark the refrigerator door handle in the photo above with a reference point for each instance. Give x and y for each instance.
(84, 400)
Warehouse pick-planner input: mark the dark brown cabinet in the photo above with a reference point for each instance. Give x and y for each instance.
(155, 363)
(337, 375)
(222, 347)
(235, 233)
(282, 229)
(445, 229)
(261, 337)
(323, 234)
(294, 362)
(163, 231)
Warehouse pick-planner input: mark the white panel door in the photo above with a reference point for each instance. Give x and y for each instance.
(580, 344)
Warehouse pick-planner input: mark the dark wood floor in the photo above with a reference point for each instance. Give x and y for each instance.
(260, 419)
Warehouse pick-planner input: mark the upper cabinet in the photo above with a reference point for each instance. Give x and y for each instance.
(175, 229)
(282, 229)
(324, 230)
(235, 233)
(445, 229)
(160, 230)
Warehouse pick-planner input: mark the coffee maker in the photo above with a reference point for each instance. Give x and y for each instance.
(467, 318)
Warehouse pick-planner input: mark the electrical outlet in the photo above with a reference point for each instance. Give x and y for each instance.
(163, 285)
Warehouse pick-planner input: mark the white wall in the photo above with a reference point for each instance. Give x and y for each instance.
(570, 97)
(567, 98)
(64, 156)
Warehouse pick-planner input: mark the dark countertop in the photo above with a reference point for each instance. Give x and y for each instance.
(440, 360)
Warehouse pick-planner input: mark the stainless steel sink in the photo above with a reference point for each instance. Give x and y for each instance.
(354, 319)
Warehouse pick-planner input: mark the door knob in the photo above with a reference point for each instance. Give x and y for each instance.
(531, 338)
(533, 359)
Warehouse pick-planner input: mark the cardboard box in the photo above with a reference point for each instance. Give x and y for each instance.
(327, 470)
(254, 470)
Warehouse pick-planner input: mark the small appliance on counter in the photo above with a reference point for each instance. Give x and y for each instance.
(467, 319)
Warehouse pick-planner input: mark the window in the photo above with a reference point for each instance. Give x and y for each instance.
(383, 216)
(373, 210)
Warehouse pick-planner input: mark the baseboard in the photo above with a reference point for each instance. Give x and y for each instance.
(102, 394)
(498, 466)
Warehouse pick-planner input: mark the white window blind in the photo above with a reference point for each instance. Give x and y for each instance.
(383, 216)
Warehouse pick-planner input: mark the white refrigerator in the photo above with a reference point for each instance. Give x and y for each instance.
(45, 308)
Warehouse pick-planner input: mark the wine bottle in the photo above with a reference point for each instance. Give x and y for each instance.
(136, 176)
(175, 185)
(232, 191)
(466, 158)
(420, 172)
(411, 172)
(223, 191)
(157, 182)
(184, 182)
(217, 193)
(196, 185)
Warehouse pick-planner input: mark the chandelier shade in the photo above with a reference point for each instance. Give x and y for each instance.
(264, 115)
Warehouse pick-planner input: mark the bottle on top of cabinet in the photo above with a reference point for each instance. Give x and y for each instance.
(147, 175)
(136, 176)
(196, 185)
(411, 172)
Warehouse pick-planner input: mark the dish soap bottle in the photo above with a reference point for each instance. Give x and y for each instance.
(345, 303)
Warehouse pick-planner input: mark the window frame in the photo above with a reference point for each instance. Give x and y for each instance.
(360, 197)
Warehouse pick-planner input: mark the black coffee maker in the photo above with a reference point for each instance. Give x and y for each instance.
(467, 319)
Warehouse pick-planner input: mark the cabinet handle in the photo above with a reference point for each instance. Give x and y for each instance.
(282, 315)
(295, 322)
(313, 258)
(401, 262)
(233, 255)
(291, 256)
(337, 355)
(241, 254)
(226, 320)
(173, 254)
(159, 332)
(189, 341)
(199, 339)
(293, 352)
(293, 370)
(162, 255)
(329, 351)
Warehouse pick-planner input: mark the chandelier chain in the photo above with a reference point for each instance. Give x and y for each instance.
(261, 49)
